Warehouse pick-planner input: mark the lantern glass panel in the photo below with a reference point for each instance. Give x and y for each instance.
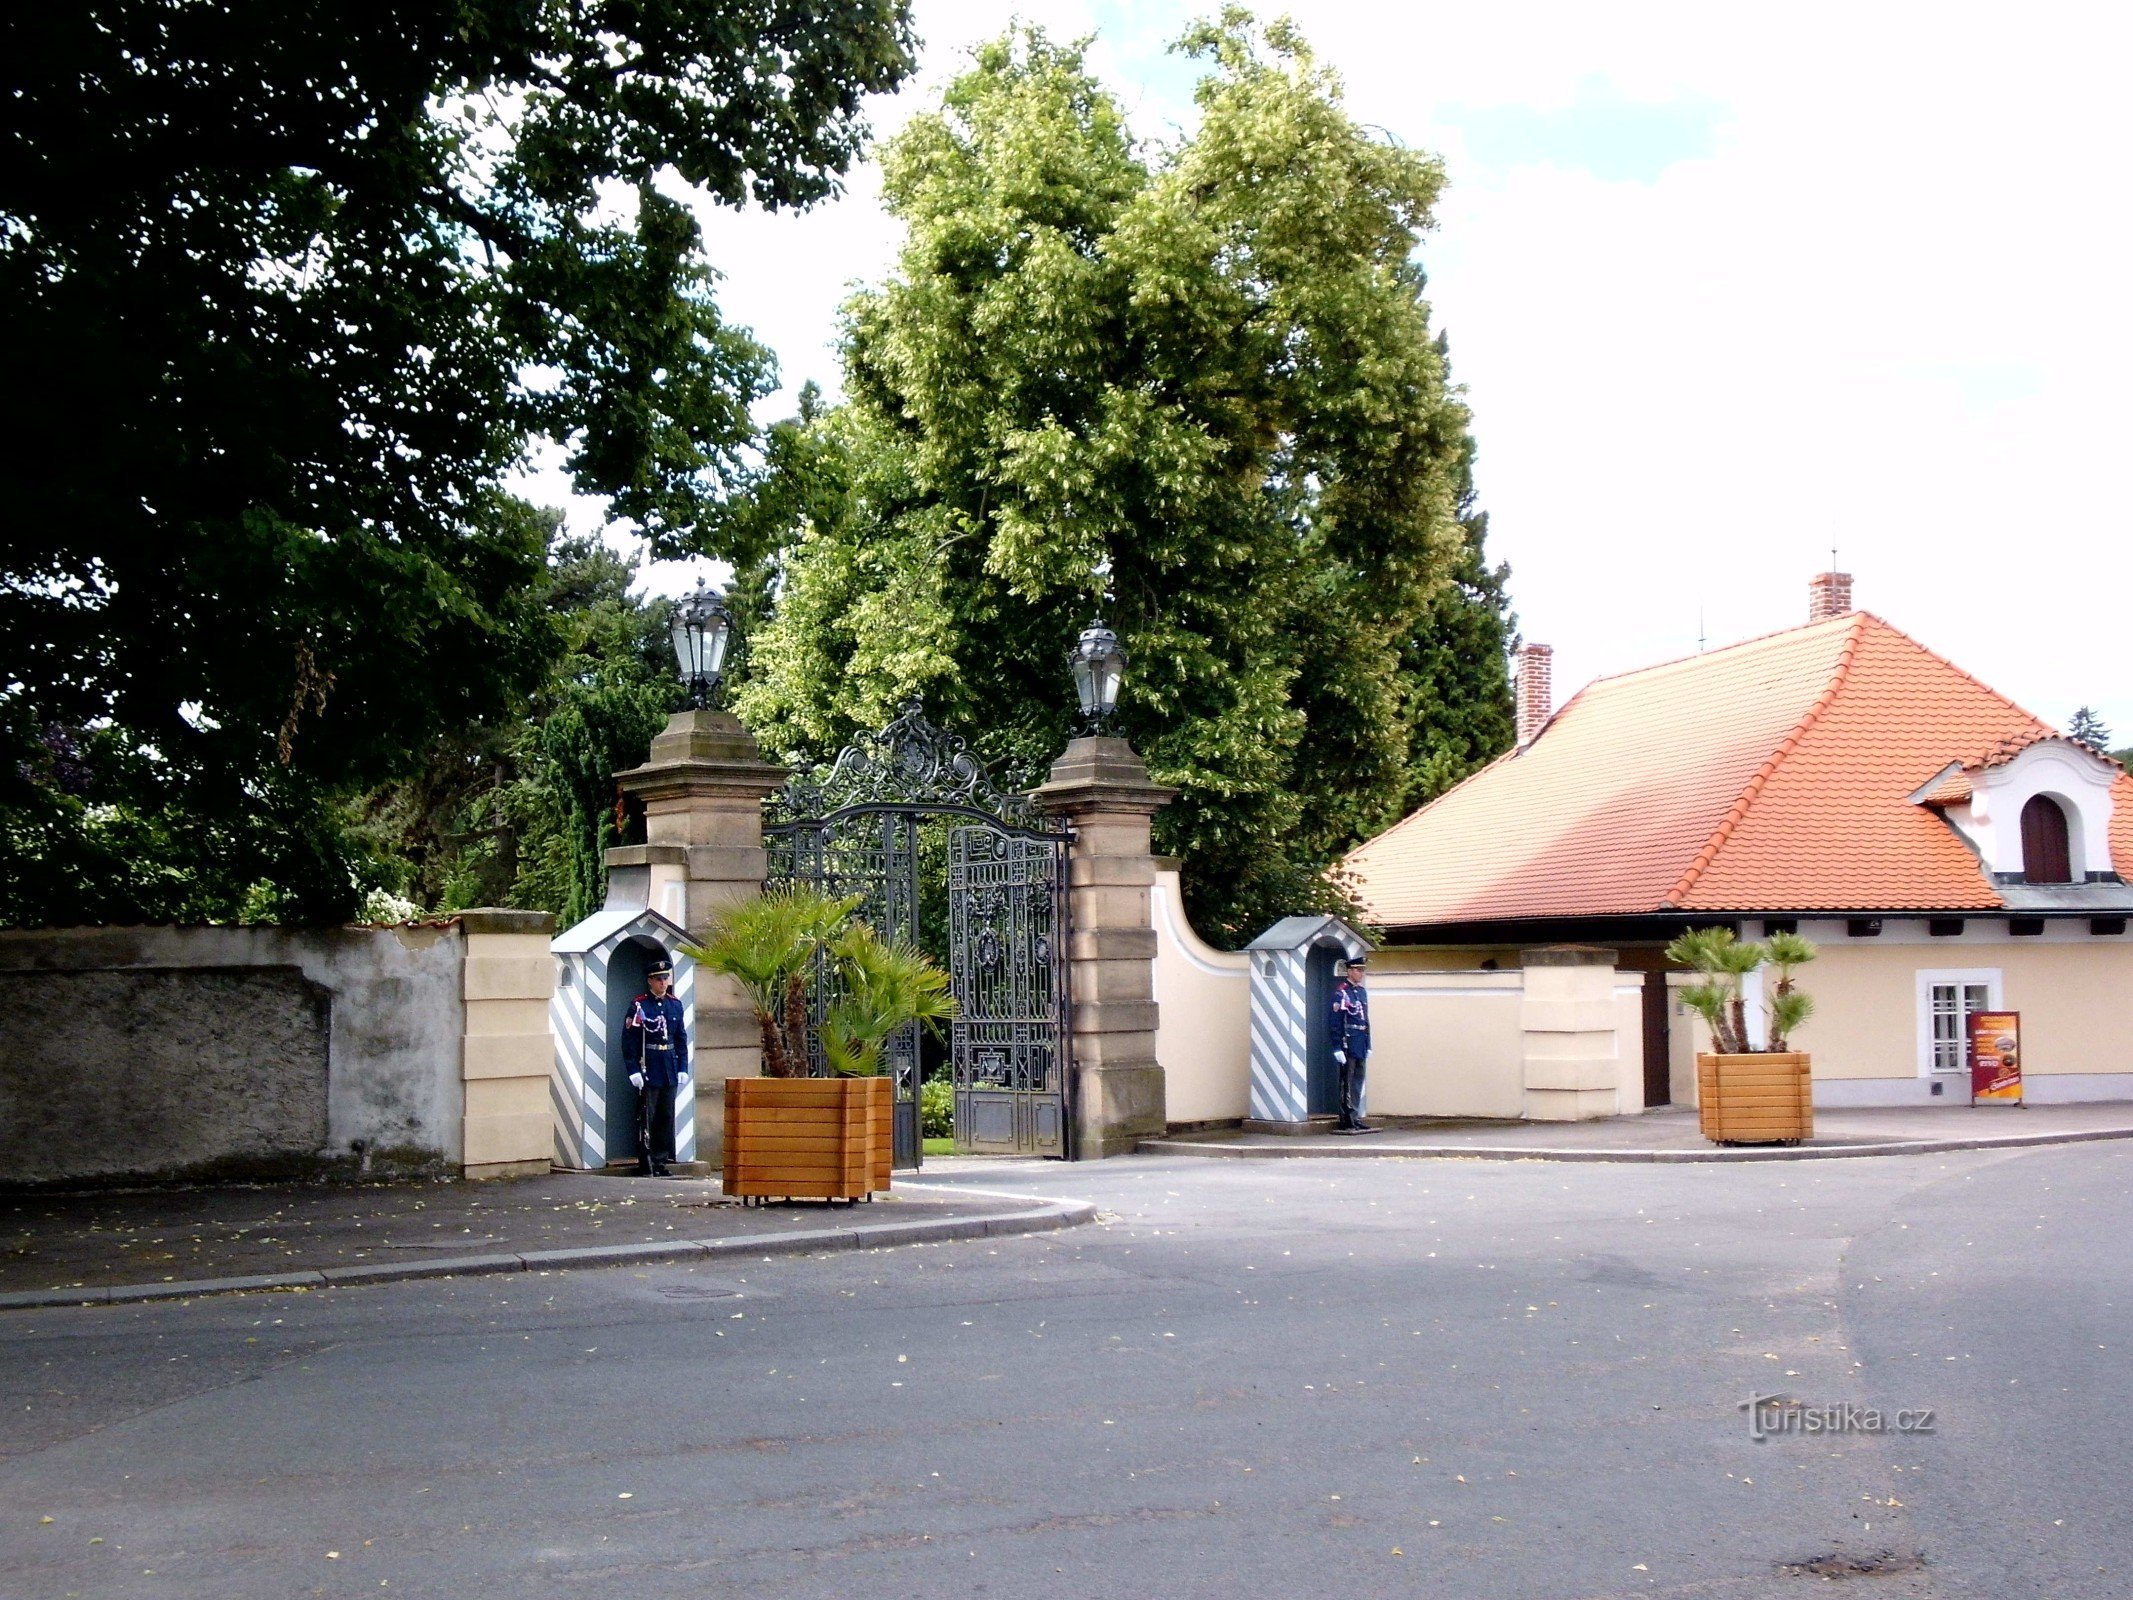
(717, 634)
(684, 638)
(1111, 672)
(1085, 688)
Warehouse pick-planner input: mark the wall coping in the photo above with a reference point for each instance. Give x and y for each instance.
(1567, 955)
(498, 919)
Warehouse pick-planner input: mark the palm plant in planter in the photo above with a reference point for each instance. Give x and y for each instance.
(789, 1134)
(1748, 1095)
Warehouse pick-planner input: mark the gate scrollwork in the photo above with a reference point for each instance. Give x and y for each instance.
(852, 826)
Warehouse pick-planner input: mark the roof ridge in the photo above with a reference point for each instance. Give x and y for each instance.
(1761, 775)
(1967, 676)
(1707, 655)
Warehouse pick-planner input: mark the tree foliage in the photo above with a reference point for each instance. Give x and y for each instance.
(519, 809)
(1195, 387)
(284, 293)
(2090, 729)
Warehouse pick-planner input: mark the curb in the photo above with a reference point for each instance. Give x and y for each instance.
(1042, 1217)
(1224, 1150)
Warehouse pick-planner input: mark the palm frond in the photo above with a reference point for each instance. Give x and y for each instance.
(767, 945)
(883, 985)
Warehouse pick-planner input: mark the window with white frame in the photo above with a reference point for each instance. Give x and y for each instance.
(1945, 1002)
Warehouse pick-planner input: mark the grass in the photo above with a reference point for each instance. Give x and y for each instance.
(939, 1147)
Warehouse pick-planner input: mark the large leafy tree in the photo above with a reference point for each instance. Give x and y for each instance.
(1194, 387)
(518, 809)
(285, 290)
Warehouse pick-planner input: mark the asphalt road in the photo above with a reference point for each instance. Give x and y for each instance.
(1325, 1378)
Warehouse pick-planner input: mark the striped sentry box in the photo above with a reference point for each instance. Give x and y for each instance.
(1282, 1025)
(583, 1015)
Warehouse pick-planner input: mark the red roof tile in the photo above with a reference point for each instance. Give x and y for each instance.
(1775, 775)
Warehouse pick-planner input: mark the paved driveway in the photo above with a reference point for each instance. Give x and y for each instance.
(1401, 1378)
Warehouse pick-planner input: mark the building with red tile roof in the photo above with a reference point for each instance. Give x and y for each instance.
(1839, 777)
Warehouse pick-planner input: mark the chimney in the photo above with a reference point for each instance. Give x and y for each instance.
(1536, 691)
(1829, 594)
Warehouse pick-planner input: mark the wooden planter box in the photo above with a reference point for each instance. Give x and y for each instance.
(808, 1138)
(1755, 1099)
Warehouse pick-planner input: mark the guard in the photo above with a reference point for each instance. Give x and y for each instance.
(1351, 1044)
(655, 1045)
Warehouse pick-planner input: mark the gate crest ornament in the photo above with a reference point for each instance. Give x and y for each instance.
(911, 763)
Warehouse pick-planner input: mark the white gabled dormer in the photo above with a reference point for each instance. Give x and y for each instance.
(2041, 815)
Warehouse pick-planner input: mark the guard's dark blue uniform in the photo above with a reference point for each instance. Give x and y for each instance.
(655, 1042)
(1351, 1037)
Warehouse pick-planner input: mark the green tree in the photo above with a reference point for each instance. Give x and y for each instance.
(2090, 729)
(519, 808)
(1195, 387)
(284, 293)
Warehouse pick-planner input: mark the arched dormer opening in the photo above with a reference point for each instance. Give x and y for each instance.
(2047, 848)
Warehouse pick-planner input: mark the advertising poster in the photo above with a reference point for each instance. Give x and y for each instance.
(1996, 1057)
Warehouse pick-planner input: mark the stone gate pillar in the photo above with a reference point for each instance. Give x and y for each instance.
(1102, 787)
(703, 790)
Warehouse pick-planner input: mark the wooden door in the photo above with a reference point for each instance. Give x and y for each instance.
(2045, 855)
(1658, 1049)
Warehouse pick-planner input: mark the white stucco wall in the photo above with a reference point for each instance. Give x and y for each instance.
(1203, 1003)
(1447, 1044)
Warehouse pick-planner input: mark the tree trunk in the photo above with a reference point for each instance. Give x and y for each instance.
(795, 1030)
(773, 1047)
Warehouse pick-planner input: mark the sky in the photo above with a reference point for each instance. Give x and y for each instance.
(1727, 288)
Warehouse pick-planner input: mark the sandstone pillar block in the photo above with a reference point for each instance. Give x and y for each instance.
(703, 790)
(1572, 1054)
(1102, 787)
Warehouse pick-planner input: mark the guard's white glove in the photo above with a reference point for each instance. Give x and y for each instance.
(636, 1080)
(1340, 1058)
(684, 1074)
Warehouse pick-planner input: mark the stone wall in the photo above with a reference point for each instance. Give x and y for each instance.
(167, 1070)
(231, 1052)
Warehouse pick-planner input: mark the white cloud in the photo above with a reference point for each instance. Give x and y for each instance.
(1880, 306)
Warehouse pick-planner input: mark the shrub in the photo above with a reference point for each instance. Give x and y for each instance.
(936, 1109)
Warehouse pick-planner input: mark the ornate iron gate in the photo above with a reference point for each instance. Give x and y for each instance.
(854, 826)
(1004, 900)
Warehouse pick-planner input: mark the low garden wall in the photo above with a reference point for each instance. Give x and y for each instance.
(203, 1052)
(1559, 1042)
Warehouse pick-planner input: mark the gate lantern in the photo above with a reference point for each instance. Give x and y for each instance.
(701, 631)
(1099, 669)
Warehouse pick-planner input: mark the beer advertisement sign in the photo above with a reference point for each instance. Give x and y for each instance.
(1996, 1057)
